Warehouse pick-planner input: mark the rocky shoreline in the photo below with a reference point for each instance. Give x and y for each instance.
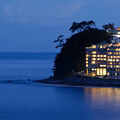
(82, 81)
(71, 81)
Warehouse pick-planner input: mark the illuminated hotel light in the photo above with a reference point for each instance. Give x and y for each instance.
(103, 60)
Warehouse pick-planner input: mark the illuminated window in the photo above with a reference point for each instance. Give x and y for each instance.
(108, 73)
(110, 62)
(114, 66)
(101, 71)
(104, 55)
(98, 58)
(104, 71)
(93, 46)
(93, 55)
(93, 74)
(117, 60)
(93, 58)
(87, 71)
(93, 62)
(109, 53)
(117, 66)
(87, 55)
(101, 46)
(93, 69)
(86, 65)
(98, 55)
(116, 74)
(113, 60)
(94, 52)
(98, 71)
(102, 65)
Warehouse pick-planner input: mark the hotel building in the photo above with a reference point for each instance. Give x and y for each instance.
(103, 59)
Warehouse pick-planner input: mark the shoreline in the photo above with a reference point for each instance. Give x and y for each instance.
(82, 81)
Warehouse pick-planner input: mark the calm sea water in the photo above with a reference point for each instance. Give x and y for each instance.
(48, 102)
(15, 66)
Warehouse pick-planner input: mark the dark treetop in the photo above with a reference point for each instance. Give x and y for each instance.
(71, 57)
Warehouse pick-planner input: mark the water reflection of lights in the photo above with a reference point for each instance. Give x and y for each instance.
(103, 94)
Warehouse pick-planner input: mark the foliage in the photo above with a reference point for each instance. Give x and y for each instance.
(81, 26)
(60, 41)
(72, 55)
(109, 26)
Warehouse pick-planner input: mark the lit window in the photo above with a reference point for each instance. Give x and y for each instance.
(117, 66)
(117, 60)
(87, 55)
(93, 55)
(108, 73)
(93, 58)
(93, 62)
(113, 59)
(98, 55)
(94, 52)
(104, 55)
(98, 58)
(101, 46)
(87, 71)
(93, 46)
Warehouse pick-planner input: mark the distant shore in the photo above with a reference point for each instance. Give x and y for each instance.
(72, 81)
(82, 81)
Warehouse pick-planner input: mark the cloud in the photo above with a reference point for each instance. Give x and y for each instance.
(68, 9)
(53, 12)
(42, 12)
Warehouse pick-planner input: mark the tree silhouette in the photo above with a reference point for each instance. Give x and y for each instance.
(90, 24)
(109, 26)
(72, 55)
(74, 27)
(60, 41)
(81, 26)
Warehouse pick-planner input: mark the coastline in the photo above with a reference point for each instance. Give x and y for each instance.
(82, 81)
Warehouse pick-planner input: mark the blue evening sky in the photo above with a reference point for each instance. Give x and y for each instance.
(32, 25)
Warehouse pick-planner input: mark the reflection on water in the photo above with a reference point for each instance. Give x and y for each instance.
(104, 103)
(103, 94)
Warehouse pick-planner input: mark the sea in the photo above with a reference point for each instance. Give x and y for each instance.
(24, 66)
(50, 102)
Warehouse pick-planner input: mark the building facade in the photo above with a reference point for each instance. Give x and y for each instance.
(103, 60)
